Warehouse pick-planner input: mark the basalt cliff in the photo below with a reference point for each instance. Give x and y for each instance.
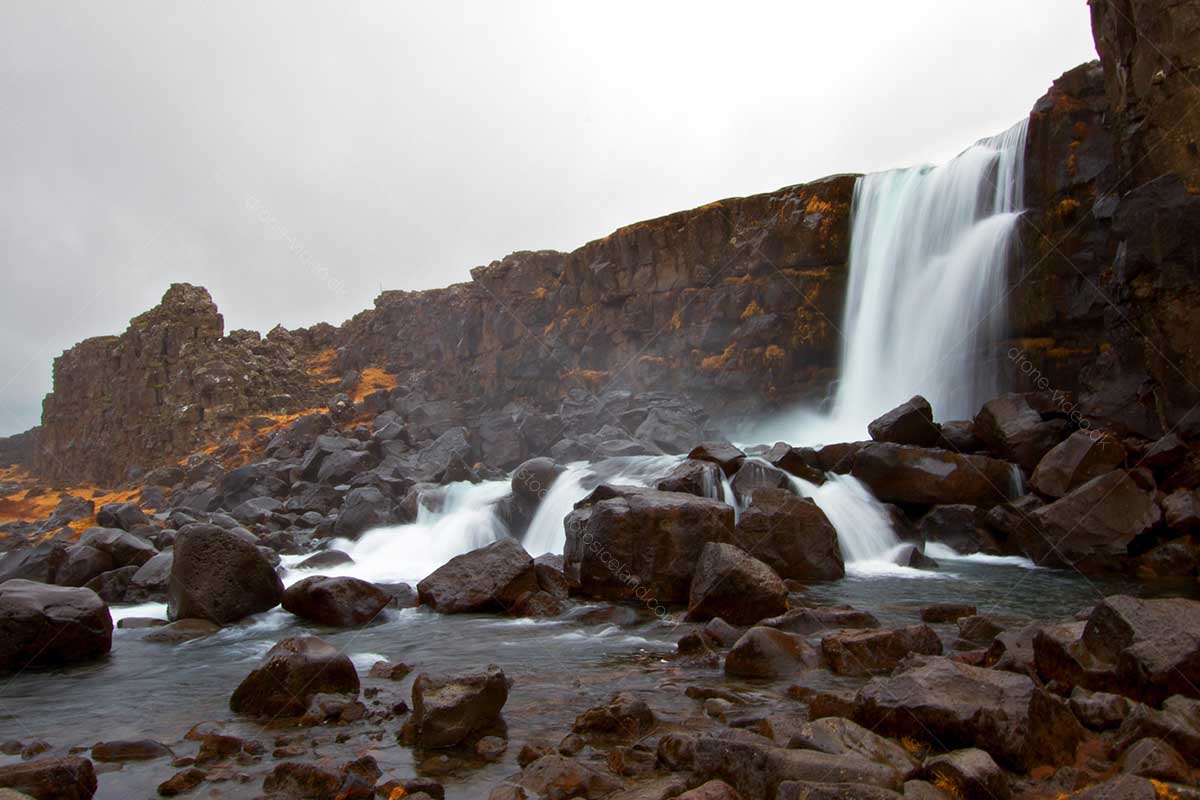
(734, 306)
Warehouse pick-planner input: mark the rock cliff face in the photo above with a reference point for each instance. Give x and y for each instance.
(170, 384)
(1104, 298)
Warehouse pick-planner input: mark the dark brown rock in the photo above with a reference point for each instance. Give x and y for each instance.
(770, 653)
(735, 586)
(813, 620)
(701, 478)
(625, 716)
(51, 778)
(129, 750)
(555, 777)
(219, 576)
(723, 454)
(791, 535)
(491, 578)
(339, 602)
(291, 673)
(1015, 431)
(968, 773)
(1079, 458)
(447, 709)
(43, 625)
(182, 630)
(876, 651)
(909, 423)
(946, 612)
(903, 474)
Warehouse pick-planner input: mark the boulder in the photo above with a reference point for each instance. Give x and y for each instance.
(946, 612)
(723, 454)
(838, 736)
(625, 717)
(533, 478)
(82, 563)
(125, 548)
(790, 534)
(219, 576)
(1099, 710)
(46, 625)
(956, 705)
(129, 750)
(625, 543)
(1091, 528)
(735, 586)
(909, 423)
(1014, 430)
(1155, 644)
(364, 508)
(1125, 787)
(968, 773)
(956, 526)
(151, 579)
(921, 476)
(326, 559)
(1182, 511)
(556, 777)
(447, 709)
(256, 510)
(125, 516)
(770, 653)
(1154, 758)
(112, 586)
(878, 650)
(805, 621)
(491, 578)
(39, 563)
(803, 462)
(1079, 458)
(701, 478)
(753, 474)
(291, 673)
(1177, 724)
(339, 602)
(70, 778)
(182, 630)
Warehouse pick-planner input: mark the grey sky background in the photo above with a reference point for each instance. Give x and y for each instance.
(295, 158)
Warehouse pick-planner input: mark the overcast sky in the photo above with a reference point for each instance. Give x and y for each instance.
(296, 158)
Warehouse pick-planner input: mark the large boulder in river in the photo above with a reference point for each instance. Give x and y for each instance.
(723, 454)
(447, 709)
(1014, 430)
(956, 705)
(923, 476)
(219, 576)
(1092, 527)
(46, 625)
(625, 543)
(1079, 458)
(533, 478)
(909, 423)
(290, 674)
(339, 602)
(791, 534)
(756, 474)
(491, 578)
(735, 586)
(69, 778)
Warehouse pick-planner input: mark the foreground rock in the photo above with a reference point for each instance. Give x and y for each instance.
(339, 602)
(909, 423)
(921, 476)
(556, 777)
(734, 586)
(791, 534)
(642, 544)
(958, 705)
(49, 625)
(1081, 457)
(51, 778)
(877, 651)
(447, 709)
(770, 653)
(492, 578)
(219, 576)
(292, 672)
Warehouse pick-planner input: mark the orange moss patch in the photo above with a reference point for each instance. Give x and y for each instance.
(738, 280)
(322, 365)
(373, 379)
(714, 363)
(774, 356)
(593, 378)
(1067, 208)
(540, 293)
(753, 309)
(818, 206)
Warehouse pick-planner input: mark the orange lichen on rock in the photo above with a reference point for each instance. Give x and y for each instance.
(715, 363)
(540, 293)
(774, 356)
(593, 378)
(373, 379)
(1066, 208)
(322, 366)
(818, 206)
(752, 309)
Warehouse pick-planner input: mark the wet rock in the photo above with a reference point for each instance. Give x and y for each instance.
(125, 516)
(731, 584)
(640, 543)
(770, 653)
(291, 673)
(631, 761)
(151, 580)
(1155, 644)
(1182, 511)
(539, 605)
(814, 790)
(182, 630)
(912, 556)
(532, 751)
(533, 479)
(50, 625)
(51, 778)
(791, 535)
(125, 548)
(299, 781)
(1014, 430)
(1177, 724)
(921, 476)
(981, 629)
(723, 454)
(711, 790)
(555, 777)
(803, 462)
(1091, 528)
(402, 595)
(875, 651)
(81, 563)
(624, 716)
(39, 563)
(138, 623)
(1081, 457)
(219, 576)
(756, 767)
(363, 509)
(338, 602)
(909, 423)
(389, 670)
(956, 526)
(1154, 758)
(756, 474)
(959, 705)
(326, 559)
(129, 750)
(701, 478)
(805, 621)
(449, 708)
(968, 773)
(1099, 710)
(844, 737)
(112, 586)
(491, 578)
(182, 782)
(946, 612)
